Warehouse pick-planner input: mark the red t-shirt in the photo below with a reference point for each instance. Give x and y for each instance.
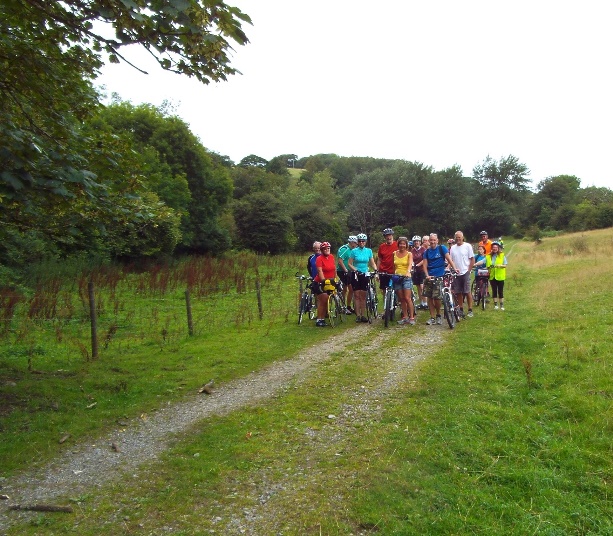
(385, 254)
(328, 265)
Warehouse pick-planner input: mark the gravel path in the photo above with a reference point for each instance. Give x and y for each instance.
(88, 466)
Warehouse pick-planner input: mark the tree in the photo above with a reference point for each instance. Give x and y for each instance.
(552, 194)
(50, 52)
(504, 194)
(505, 181)
(253, 160)
(263, 223)
(183, 162)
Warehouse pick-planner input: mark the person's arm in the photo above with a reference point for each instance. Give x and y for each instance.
(343, 266)
(424, 264)
(350, 263)
(448, 258)
(472, 263)
(320, 274)
(374, 266)
(409, 264)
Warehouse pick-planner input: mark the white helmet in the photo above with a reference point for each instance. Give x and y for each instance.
(352, 238)
(362, 236)
(416, 237)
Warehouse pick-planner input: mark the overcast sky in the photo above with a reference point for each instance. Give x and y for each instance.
(439, 82)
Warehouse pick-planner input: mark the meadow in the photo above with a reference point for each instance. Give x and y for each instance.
(505, 429)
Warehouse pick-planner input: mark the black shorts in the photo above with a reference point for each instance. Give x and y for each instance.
(384, 281)
(359, 281)
(345, 277)
(418, 277)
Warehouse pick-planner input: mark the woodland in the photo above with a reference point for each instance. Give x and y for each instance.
(132, 183)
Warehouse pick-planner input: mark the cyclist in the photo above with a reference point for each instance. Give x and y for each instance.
(360, 259)
(326, 269)
(403, 260)
(485, 242)
(434, 266)
(464, 258)
(479, 258)
(418, 272)
(342, 270)
(385, 258)
(311, 260)
(496, 261)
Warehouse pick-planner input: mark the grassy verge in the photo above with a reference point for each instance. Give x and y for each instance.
(51, 396)
(506, 429)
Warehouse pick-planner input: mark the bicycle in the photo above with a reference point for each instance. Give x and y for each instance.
(306, 305)
(371, 298)
(451, 310)
(390, 300)
(479, 287)
(336, 309)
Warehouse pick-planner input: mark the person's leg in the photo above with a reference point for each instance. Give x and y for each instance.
(359, 297)
(322, 306)
(494, 285)
(501, 294)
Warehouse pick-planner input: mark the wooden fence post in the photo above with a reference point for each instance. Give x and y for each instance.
(259, 293)
(93, 319)
(190, 321)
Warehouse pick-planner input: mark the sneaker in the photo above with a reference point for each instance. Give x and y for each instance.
(357, 319)
(401, 322)
(439, 320)
(502, 307)
(320, 324)
(412, 321)
(364, 320)
(349, 311)
(495, 307)
(470, 313)
(431, 322)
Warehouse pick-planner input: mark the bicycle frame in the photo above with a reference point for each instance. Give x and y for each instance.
(306, 303)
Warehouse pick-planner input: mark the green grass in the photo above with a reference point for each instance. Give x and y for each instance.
(506, 429)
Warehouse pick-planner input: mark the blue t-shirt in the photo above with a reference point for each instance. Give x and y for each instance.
(311, 264)
(436, 260)
(477, 259)
(361, 258)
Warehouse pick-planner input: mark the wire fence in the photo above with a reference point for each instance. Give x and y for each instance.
(90, 318)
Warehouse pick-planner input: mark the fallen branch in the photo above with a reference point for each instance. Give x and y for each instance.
(42, 508)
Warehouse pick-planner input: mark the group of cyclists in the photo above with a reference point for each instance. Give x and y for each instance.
(412, 265)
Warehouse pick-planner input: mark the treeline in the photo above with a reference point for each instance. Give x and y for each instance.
(159, 192)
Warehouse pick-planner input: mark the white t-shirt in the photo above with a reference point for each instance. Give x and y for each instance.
(461, 255)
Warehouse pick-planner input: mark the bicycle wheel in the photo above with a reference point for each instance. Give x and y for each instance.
(340, 307)
(388, 308)
(483, 294)
(312, 307)
(303, 306)
(332, 312)
(372, 298)
(448, 307)
(474, 291)
(369, 306)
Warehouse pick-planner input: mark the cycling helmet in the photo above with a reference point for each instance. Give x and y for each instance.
(416, 237)
(451, 241)
(496, 243)
(352, 238)
(387, 231)
(483, 233)
(362, 236)
(325, 245)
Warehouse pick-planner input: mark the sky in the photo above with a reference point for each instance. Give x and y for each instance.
(442, 83)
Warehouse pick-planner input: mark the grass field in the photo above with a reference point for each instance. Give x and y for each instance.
(506, 429)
